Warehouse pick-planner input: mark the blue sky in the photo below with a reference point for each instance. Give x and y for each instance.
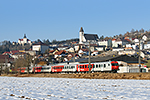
(62, 19)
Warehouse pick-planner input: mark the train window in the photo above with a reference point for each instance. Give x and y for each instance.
(108, 64)
(82, 66)
(72, 67)
(85, 66)
(99, 65)
(96, 66)
(104, 65)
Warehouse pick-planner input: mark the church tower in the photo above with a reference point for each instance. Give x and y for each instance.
(81, 34)
(25, 39)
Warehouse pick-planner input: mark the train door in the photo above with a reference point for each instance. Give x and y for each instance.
(102, 67)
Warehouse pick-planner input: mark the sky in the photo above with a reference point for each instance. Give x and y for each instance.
(62, 19)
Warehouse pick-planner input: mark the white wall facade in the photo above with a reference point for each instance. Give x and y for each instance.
(103, 43)
(41, 48)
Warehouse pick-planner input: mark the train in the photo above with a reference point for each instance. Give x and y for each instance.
(108, 66)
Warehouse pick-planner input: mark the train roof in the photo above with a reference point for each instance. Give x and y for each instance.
(125, 58)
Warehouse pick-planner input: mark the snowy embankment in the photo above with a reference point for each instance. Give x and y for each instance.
(64, 89)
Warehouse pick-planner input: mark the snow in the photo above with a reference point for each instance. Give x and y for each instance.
(14, 88)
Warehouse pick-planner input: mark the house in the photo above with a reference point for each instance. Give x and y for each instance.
(117, 49)
(86, 38)
(120, 42)
(6, 61)
(145, 37)
(71, 49)
(147, 44)
(127, 52)
(100, 48)
(94, 53)
(31, 52)
(107, 43)
(18, 55)
(41, 47)
(24, 40)
(116, 43)
(62, 47)
(83, 52)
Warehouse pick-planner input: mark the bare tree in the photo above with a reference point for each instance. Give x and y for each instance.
(28, 61)
(1, 65)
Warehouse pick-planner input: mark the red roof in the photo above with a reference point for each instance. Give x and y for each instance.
(14, 51)
(51, 51)
(4, 57)
(113, 39)
(60, 52)
(85, 50)
(6, 53)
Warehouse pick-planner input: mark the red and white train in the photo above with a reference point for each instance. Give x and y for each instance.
(109, 66)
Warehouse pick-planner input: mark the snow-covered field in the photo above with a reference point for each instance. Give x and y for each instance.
(67, 89)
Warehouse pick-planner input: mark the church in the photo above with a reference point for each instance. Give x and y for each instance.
(24, 41)
(86, 38)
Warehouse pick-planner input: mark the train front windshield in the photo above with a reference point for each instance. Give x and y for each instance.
(115, 64)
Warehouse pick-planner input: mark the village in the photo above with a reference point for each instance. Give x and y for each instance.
(124, 49)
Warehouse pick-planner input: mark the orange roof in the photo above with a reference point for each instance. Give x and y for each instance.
(128, 48)
(60, 52)
(113, 39)
(51, 51)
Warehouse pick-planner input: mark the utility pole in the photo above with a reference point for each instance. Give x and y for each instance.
(89, 58)
(139, 54)
(74, 54)
(33, 66)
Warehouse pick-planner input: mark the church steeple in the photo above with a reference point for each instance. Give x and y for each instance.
(24, 36)
(81, 30)
(81, 34)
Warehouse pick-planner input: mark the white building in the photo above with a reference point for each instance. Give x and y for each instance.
(24, 40)
(40, 47)
(86, 38)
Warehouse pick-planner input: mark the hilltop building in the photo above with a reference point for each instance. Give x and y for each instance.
(41, 47)
(24, 40)
(86, 38)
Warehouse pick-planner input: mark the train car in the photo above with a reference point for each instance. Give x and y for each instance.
(57, 68)
(22, 70)
(84, 67)
(111, 66)
(37, 69)
(46, 69)
(69, 68)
